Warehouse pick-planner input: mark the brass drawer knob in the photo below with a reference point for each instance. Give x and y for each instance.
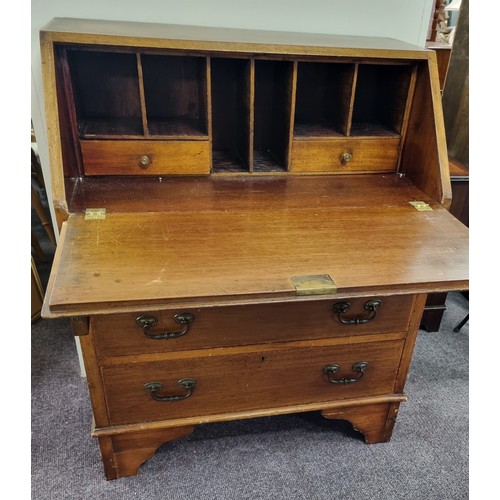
(346, 157)
(144, 161)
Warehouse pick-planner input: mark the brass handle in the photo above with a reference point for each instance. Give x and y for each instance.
(147, 322)
(358, 367)
(187, 384)
(346, 157)
(342, 307)
(144, 161)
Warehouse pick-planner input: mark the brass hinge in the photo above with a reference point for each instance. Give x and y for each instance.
(95, 213)
(321, 284)
(421, 206)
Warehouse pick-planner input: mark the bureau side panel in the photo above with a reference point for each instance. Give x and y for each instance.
(94, 381)
(424, 155)
(415, 318)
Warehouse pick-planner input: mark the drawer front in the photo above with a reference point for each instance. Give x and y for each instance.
(267, 378)
(145, 157)
(345, 155)
(120, 334)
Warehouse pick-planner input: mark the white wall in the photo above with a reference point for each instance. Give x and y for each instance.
(406, 20)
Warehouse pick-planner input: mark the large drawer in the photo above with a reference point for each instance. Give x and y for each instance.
(120, 334)
(136, 157)
(344, 155)
(231, 380)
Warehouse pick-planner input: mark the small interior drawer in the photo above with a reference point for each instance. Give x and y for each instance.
(249, 380)
(122, 334)
(344, 155)
(136, 157)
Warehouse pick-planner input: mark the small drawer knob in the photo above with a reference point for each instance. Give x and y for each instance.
(144, 161)
(346, 157)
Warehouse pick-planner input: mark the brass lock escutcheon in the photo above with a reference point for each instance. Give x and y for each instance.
(359, 368)
(153, 388)
(371, 306)
(147, 322)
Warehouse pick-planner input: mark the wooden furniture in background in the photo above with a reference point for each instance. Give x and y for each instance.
(36, 169)
(456, 119)
(456, 92)
(443, 55)
(250, 223)
(443, 50)
(460, 186)
(42, 214)
(41, 217)
(38, 207)
(438, 18)
(36, 293)
(435, 305)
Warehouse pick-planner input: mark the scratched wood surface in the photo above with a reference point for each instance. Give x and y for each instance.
(217, 239)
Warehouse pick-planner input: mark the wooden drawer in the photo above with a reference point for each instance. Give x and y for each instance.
(232, 380)
(326, 155)
(119, 334)
(108, 157)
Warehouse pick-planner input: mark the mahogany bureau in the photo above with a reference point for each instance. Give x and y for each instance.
(249, 223)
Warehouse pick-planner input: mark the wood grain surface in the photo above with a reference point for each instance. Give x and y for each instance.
(223, 39)
(223, 239)
(367, 155)
(164, 157)
(265, 378)
(119, 335)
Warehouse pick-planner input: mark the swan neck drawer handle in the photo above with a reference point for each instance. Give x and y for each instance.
(188, 384)
(147, 322)
(371, 306)
(358, 367)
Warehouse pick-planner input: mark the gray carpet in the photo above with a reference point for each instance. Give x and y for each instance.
(286, 457)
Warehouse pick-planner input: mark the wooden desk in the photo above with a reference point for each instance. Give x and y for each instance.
(459, 174)
(262, 243)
